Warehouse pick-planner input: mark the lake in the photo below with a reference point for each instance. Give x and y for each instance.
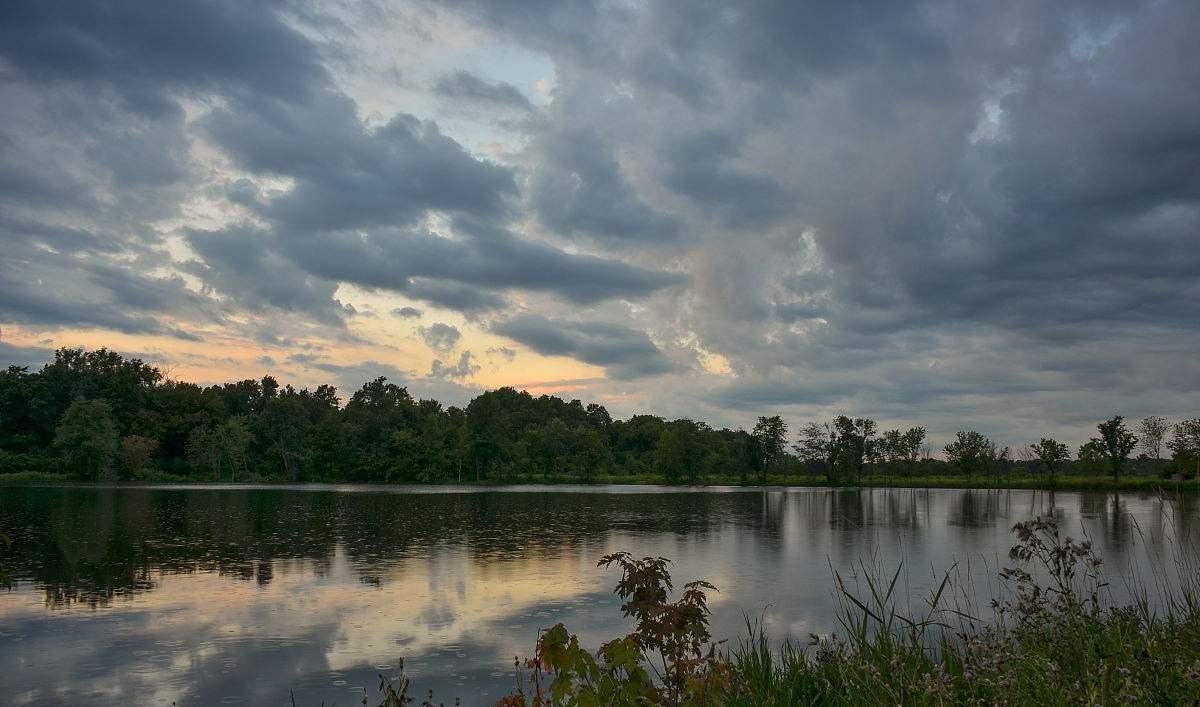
(240, 594)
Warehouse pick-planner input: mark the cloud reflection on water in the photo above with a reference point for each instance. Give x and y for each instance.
(198, 596)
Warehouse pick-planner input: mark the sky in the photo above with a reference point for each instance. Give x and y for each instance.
(965, 215)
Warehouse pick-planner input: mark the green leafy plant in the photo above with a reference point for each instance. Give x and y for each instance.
(669, 658)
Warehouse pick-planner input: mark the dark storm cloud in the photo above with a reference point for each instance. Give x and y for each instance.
(1020, 175)
(623, 352)
(350, 178)
(58, 289)
(486, 257)
(462, 298)
(28, 356)
(146, 49)
(699, 167)
(240, 262)
(97, 149)
(577, 187)
(463, 85)
(407, 313)
(349, 175)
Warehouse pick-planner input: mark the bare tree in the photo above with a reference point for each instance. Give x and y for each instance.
(814, 445)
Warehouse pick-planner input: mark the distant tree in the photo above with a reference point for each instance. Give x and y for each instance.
(1051, 454)
(598, 416)
(814, 445)
(591, 453)
(221, 449)
(771, 433)
(235, 438)
(911, 443)
(1091, 457)
(853, 444)
(203, 453)
(137, 453)
(1153, 430)
(281, 425)
(678, 456)
(970, 451)
(1185, 447)
(87, 438)
(901, 449)
(891, 448)
(1116, 442)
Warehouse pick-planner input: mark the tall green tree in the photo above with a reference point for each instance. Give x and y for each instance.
(1185, 447)
(1090, 457)
(87, 438)
(771, 433)
(220, 451)
(1116, 442)
(678, 456)
(1052, 455)
(853, 444)
(970, 452)
(912, 441)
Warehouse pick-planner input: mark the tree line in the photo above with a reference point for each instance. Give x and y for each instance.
(97, 415)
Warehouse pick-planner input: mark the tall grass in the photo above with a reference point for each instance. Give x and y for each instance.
(1055, 638)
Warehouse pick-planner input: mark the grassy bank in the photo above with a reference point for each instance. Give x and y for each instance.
(40, 478)
(1053, 638)
(1061, 483)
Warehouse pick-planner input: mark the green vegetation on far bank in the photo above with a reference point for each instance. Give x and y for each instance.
(98, 416)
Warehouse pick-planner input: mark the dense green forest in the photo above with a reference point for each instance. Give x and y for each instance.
(96, 415)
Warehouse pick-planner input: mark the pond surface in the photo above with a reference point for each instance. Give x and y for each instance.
(224, 595)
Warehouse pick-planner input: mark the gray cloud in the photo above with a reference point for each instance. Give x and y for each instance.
(407, 313)
(440, 337)
(144, 52)
(351, 377)
(464, 368)
(577, 187)
(464, 85)
(348, 175)
(241, 262)
(456, 296)
(39, 287)
(27, 356)
(625, 353)
(699, 167)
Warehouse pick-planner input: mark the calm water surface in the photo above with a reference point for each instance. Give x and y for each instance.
(203, 596)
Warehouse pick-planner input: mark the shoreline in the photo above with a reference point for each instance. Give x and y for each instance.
(1136, 484)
